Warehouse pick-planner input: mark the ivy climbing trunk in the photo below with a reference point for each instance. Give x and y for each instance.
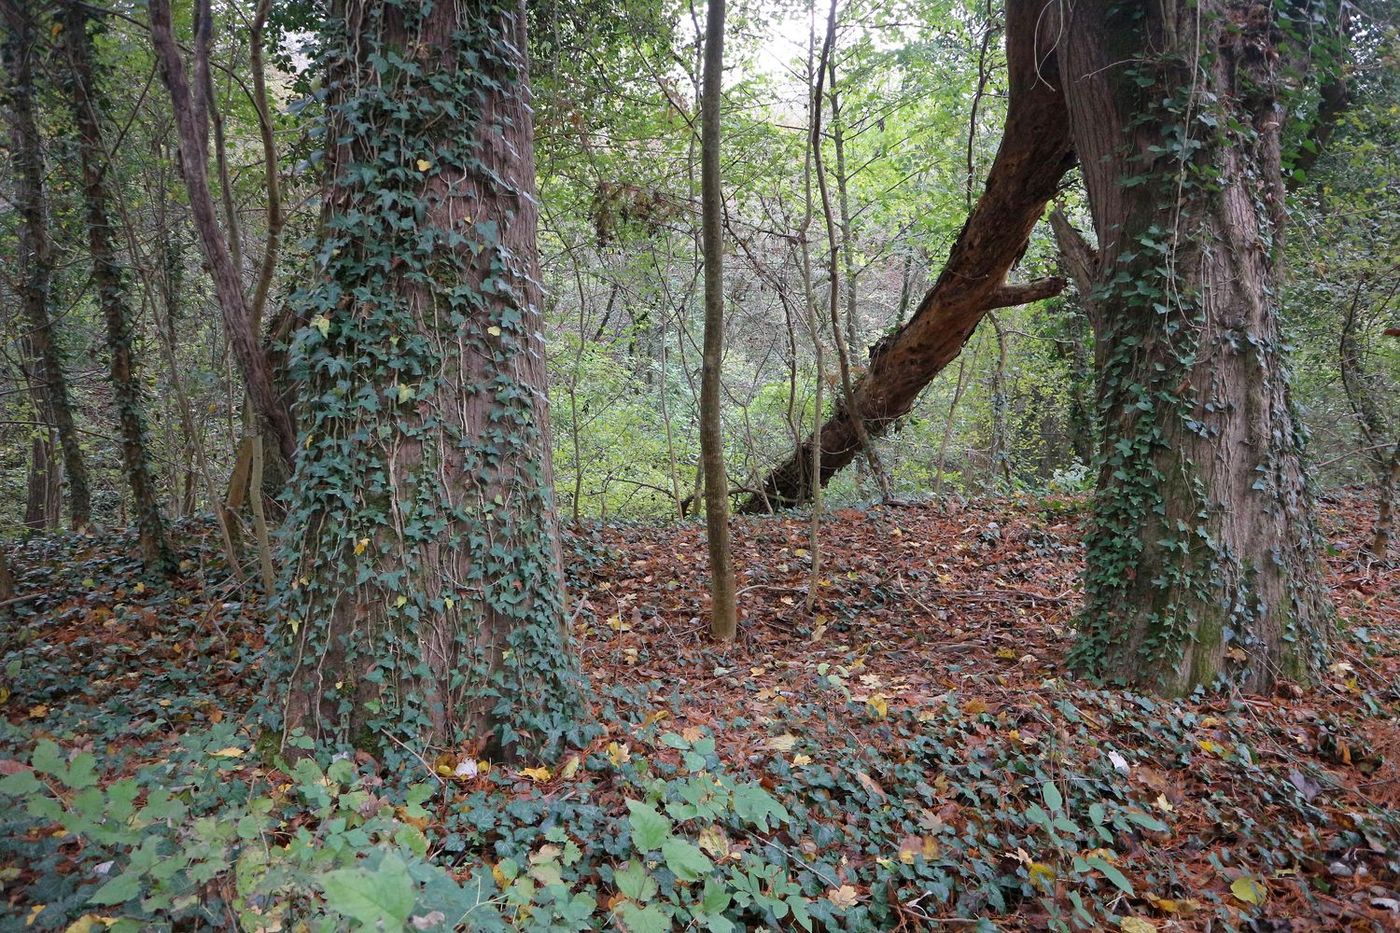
(425, 599)
(110, 278)
(36, 257)
(1202, 558)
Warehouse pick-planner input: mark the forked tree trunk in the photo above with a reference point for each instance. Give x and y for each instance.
(1034, 156)
(110, 279)
(36, 258)
(1202, 559)
(424, 563)
(188, 107)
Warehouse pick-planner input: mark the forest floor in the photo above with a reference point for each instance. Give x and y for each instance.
(918, 719)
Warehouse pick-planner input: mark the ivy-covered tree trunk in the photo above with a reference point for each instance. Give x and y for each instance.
(110, 279)
(1203, 559)
(426, 596)
(36, 250)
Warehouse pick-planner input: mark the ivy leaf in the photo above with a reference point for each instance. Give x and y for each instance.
(685, 860)
(649, 828)
(644, 919)
(119, 890)
(383, 896)
(1119, 880)
(634, 882)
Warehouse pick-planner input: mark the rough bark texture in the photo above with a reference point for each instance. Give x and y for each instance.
(43, 505)
(36, 252)
(427, 586)
(1034, 155)
(110, 279)
(1202, 558)
(194, 160)
(724, 621)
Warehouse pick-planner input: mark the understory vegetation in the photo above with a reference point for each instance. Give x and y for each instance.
(909, 755)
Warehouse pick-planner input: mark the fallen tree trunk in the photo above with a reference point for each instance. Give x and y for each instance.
(1034, 155)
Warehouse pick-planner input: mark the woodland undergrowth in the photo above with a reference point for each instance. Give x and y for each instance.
(910, 755)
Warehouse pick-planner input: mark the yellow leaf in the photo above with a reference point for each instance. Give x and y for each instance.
(447, 601)
(1249, 890)
(801, 761)
(34, 912)
(424, 165)
(844, 897)
(405, 392)
(1137, 925)
(1164, 804)
(1041, 875)
(570, 767)
(323, 324)
(38, 711)
(361, 545)
(88, 923)
(618, 753)
(232, 751)
(538, 775)
(782, 743)
(879, 706)
(493, 330)
(401, 602)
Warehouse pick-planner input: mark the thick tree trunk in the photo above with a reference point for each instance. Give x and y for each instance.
(36, 252)
(1203, 563)
(426, 590)
(724, 618)
(112, 293)
(189, 113)
(1034, 156)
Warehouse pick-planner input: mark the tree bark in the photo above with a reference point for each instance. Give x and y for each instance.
(426, 600)
(724, 619)
(44, 495)
(110, 278)
(271, 408)
(1203, 562)
(1034, 155)
(36, 252)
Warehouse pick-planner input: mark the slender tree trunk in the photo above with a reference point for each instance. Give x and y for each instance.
(1035, 153)
(7, 577)
(724, 619)
(426, 600)
(1202, 559)
(194, 158)
(110, 278)
(834, 244)
(36, 250)
(1382, 449)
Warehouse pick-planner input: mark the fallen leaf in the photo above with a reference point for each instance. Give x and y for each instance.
(1249, 890)
(844, 897)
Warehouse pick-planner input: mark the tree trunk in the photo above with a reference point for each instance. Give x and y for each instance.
(36, 252)
(112, 293)
(43, 501)
(724, 619)
(1034, 155)
(189, 112)
(424, 576)
(1202, 558)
